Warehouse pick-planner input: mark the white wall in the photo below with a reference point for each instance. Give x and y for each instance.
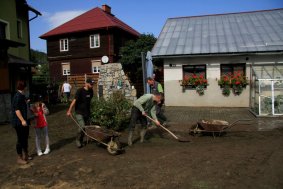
(174, 95)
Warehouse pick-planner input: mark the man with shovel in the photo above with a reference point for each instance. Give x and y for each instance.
(143, 106)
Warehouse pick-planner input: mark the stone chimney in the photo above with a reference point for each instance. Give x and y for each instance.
(106, 9)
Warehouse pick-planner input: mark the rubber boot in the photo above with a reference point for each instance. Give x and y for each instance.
(130, 138)
(21, 161)
(79, 139)
(26, 156)
(142, 134)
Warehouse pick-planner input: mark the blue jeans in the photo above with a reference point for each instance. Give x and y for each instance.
(39, 133)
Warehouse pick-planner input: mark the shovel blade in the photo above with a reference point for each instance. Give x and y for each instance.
(182, 139)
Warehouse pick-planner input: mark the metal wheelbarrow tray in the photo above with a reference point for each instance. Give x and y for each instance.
(214, 127)
(107, 137)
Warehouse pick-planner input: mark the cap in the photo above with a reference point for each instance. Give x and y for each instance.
(90, 81)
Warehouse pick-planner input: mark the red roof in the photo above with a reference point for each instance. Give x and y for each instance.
(93, 19)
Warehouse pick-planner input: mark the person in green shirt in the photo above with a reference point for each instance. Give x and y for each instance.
(156, 87)
(145, 105)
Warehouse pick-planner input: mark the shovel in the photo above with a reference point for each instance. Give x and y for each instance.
(172, 134)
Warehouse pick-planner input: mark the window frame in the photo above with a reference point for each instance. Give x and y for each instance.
(97, 67)
(232, 67)
(92, 41)
(64, 44)
(7, 29)
(194, 72)
(19, 29)
(194, 67)
(66, 71)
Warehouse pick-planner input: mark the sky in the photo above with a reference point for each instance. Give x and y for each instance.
(145, 16)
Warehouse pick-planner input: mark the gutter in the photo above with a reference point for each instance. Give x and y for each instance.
(219, 54)
(36, 12)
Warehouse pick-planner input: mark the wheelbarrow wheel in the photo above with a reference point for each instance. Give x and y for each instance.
(113, 147)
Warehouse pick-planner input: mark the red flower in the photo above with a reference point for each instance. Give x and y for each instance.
(186, 77)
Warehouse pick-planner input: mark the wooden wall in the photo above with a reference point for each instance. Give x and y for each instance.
(78, 81)
(80, 54)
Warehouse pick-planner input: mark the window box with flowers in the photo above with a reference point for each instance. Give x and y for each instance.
(197, 82)
(237, 82)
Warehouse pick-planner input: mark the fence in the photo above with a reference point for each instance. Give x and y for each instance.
(78, 81)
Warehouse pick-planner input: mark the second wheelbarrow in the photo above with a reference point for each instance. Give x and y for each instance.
(214, 127)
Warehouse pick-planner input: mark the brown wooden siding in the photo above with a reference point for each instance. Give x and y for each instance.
(79, 46)
(77, 67)
(80, 54)
(78, 81)
(120, 39)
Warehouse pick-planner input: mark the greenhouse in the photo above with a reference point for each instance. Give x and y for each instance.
(266, 97)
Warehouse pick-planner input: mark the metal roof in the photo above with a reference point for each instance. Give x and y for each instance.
(258, 31)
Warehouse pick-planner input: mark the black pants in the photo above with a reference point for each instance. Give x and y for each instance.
(22, 139)
(159, 114)
(136, 115)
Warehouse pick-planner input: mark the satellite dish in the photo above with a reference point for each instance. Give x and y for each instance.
(105, 59)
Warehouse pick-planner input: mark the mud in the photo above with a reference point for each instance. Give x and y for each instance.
(238, 159)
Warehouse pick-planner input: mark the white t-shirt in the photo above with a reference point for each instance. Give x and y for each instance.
(66, 88)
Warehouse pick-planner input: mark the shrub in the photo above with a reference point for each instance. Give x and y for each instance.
(112, 113)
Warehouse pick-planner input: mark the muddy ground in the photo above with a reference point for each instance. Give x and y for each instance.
(236, 160)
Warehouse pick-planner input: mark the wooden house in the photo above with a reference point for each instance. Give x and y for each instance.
(77, 46)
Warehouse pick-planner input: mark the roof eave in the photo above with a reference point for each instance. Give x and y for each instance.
(44, 36)
(219, 54)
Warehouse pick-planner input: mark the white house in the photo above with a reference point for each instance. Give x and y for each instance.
(215, 45)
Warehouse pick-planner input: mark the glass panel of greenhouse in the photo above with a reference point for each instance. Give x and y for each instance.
(266, 97)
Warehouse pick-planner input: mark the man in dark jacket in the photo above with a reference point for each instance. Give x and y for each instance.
(82, 108)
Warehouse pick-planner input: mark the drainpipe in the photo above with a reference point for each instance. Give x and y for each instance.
(143, 72)
(109, 39)
(37, 13)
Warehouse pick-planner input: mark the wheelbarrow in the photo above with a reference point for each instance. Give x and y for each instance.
(214, 127)
(106, 137)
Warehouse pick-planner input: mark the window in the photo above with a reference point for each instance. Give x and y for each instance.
(66, 68)
(94, 41)
(190, 70)
(4, 30)
(194, 77)
(228, 69)
(64, 45)
(95, 66)
(19, 29)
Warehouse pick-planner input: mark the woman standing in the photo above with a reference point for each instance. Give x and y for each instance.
(19, 122)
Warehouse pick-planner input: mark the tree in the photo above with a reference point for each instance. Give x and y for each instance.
(131, 56)
(42, 69)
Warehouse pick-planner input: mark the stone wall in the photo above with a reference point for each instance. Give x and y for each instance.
(112, 78)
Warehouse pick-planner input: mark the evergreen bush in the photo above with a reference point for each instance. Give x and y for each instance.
(112, 113)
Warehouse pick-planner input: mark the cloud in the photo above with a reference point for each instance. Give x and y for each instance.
(58, 18)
